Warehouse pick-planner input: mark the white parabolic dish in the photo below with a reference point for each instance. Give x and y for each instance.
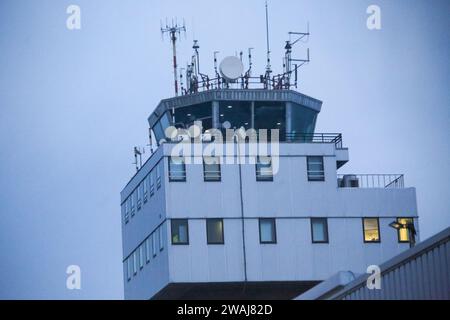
(231, 68)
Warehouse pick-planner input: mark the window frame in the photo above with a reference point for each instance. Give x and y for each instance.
(183, 178)
(212, 179)
(187, 232)
(364, 230)
(145, 189)
(274, 241)
(208, 220)
(263, 178)
(310, 178)
(327, 238)
(154, 250)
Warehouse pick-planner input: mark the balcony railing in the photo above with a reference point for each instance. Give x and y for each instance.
(294, 137)
(370, 181)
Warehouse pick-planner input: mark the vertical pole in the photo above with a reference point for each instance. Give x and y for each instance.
(215, 115)
(174, 39)
(288, 120)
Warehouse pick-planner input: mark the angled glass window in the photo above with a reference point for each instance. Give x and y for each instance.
(141, 255)
(158, 176)
(315, 168)
(152, 184)
(214, 231)
(264, 169)
(267, 230)
(126, 211)
(145, 188)
(129, 266)
(139, 196)
(147, 249)
(135, 262)
(133, 202)
(180, 231)
(177, 169)
(319, 230)
(371, 229)
(211, 169)
(403, 233)
(161, 238)
(154, 243)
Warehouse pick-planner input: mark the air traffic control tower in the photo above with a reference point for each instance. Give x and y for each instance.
(270, 227)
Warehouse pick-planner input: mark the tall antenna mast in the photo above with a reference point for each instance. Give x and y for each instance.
(173, 31)
(268, 70)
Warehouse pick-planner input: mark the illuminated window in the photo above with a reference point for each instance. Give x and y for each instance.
(371, 228)
(211, 169)
(177, 169)
(319, 230)
(315, 169)
(180, 231)
(267, 230)
(214, 231)
(403, 233)
(264, 169)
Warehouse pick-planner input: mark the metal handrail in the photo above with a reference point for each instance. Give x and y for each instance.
(394, 181)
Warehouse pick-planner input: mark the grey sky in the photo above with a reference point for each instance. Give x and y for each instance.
(74, 103)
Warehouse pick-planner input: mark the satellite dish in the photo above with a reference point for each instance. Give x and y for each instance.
(231, 68)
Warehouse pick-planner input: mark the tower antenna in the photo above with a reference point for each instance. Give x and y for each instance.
(174, 30)
(268, 70)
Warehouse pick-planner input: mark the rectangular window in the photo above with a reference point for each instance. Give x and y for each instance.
(319, 230)
(152, 185)
(180, 231)
(129, 267)
(126, 211)
(132, 202)
(315, 168)
(158, 176)
(214, 231)
(264, 169)
(141, 255)
(211, 169)
(135, 262)
(147, 249)
(403, 233)
(145, 188)
(154, 244)
(177, 169)
(161, 238)
(139, 196)
(371, 229)
(267, 230)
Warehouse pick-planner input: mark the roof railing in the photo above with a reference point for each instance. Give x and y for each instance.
(393, 181)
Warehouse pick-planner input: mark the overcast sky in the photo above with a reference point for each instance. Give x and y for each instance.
(74, 103)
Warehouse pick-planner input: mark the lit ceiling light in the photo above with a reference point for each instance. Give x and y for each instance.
(221, 115)
(188, 114)
(278, 123)
(229, 107)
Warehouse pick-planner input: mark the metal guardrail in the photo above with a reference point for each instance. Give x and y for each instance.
(293, 137)
(394, 181)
